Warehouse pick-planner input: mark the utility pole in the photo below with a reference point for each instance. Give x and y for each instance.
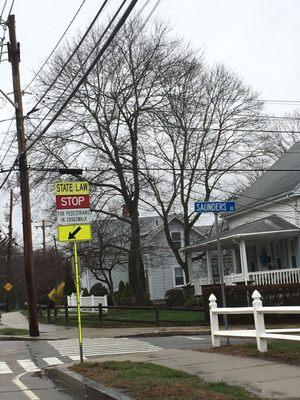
(43, 226)
(9, 248)
(14, 58)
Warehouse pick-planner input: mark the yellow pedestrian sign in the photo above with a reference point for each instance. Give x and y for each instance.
(8, 286)
(72, 233)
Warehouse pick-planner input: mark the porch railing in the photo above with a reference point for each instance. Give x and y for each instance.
(274, 277)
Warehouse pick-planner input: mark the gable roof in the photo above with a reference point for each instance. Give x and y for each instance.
(152, 226)
(276, 184)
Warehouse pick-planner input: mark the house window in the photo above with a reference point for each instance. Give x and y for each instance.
(179, 278)
(176, 239)
(293, 252)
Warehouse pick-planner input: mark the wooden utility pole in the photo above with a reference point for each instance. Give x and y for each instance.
(14, 58)
(9, 249)
(43, 226)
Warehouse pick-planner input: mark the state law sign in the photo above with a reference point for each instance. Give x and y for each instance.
(72, 203)
(73, 211)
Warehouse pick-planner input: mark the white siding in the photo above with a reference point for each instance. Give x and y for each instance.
(285, 210)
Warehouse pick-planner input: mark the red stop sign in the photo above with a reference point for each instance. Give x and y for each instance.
(75, 201)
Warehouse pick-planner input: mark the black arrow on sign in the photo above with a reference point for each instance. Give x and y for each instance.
(73, 234)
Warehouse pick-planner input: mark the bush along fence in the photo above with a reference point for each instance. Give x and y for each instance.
(257, 311)
(105, 313)
(240, 295)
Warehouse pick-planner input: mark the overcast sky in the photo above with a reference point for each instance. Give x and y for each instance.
(257, 39)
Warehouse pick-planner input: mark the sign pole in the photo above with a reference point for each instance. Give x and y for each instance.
(221, 270)
(78, 299)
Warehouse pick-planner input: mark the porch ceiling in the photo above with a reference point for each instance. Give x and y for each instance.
(269, 227)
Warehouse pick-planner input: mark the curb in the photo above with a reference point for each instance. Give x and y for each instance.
(83, 388)
(142, 334)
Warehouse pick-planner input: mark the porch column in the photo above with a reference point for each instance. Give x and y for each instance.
(189, 264)
(209, 267)
(234, 262)
(244, 260)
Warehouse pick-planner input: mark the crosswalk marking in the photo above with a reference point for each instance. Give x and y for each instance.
(194, 337)
(28, 365)
(102, 346)
(4, 368)
(52, 360)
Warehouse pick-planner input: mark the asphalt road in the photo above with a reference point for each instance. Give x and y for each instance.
(22, 362)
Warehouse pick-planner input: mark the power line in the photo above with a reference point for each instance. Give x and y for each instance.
(72, 55)
(78, 71)
(56, 46)
(90, 68)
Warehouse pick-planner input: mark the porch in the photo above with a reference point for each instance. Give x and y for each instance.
(262, 252)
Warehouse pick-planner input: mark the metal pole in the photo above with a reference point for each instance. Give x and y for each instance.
(14, 58)
(77, 283)
(221, 270)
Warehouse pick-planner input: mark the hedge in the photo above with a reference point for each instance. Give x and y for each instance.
(241, 296)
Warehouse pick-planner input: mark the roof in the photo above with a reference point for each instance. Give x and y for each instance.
(274, 184)
(264, 226)
(150, 226)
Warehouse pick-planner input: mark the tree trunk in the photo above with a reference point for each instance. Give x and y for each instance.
(135, 264)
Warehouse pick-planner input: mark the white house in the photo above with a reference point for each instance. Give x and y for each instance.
(161, 268)
(261, 244)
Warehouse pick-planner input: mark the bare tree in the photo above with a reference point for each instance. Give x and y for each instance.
(107, 252)
(104, 126)
(203, 131)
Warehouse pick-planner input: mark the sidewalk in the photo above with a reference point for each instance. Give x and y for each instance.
(264, 378)
(52, 332)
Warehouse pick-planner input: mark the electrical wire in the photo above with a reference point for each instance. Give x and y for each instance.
(90, 68)
(72, 55)
(5, 136)
(78, 71)
(56, 46)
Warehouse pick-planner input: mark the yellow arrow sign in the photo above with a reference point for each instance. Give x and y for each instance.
(8, 286)
(70, 233)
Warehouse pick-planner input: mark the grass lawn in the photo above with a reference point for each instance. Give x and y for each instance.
(122, 318)
(13, 331)
(146, 381)
(280, 351)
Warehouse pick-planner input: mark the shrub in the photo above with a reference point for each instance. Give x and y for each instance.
(57, 294)
(174, 298)
(85, 292)
(98, 289)
(193, 301)
(121, 287)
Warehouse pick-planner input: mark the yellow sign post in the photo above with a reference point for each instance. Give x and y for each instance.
(78, 300)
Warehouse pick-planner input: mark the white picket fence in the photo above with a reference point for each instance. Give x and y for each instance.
(260, 332)
(88, 301)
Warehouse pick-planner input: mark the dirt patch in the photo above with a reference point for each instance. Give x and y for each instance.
(288, 353)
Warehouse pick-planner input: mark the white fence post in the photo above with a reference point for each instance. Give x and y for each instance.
(214, 321)
(259, 322)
